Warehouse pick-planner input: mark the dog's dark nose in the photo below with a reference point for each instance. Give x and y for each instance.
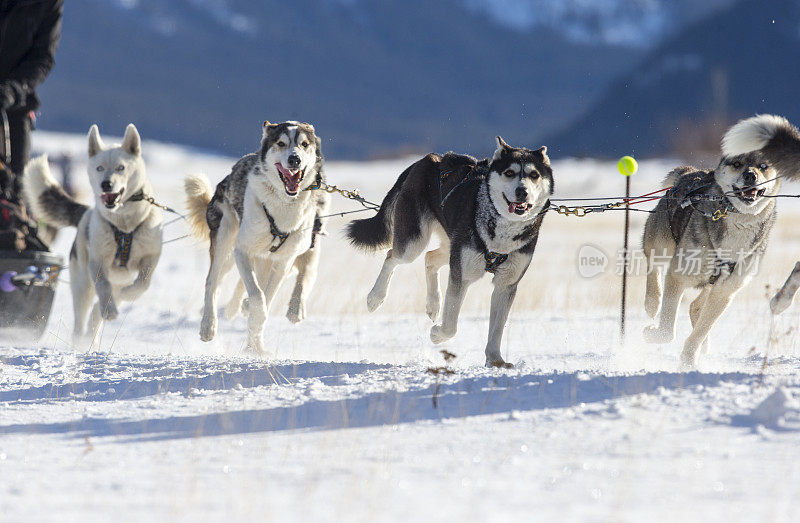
(294, 160)
(106, 186)
(521, 193)
(749, 177)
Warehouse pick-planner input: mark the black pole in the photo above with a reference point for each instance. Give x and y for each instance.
(625, 253)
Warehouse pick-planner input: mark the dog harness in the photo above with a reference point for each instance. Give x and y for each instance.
(493, 260)
(124, 241)
(686, 198)
(277, 234)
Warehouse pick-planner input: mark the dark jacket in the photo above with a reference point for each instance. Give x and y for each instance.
(29, 33)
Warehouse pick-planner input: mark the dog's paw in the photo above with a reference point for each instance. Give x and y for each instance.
(432, 307)
(653, 334)
(439, 335)
(110, 312)
(498, 364)
(255, 346)
(688, 361)
(374, 300)
(208, 329)
(296, 313)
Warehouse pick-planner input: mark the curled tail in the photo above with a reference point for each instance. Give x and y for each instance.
(376, 232)
(46, 198)
(773, 135)
(198, 196)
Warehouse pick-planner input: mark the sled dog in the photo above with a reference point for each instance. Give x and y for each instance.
(264, 217)
(710, 229)
(118, 241)
(486, 215)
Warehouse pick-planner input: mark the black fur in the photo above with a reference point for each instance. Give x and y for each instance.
(376, 232)
(783, 152)
(63, 209)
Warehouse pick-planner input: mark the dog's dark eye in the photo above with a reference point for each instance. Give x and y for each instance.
(281, 144)
(305, 144)
(509, 173)
(100, 168)
(763, 166)
(737, 165)
(534, 175)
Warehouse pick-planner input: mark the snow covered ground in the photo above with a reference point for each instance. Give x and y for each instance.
(353, 416)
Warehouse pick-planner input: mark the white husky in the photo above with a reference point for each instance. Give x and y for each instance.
(118, 242)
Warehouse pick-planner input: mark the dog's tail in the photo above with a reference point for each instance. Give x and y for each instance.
(376, 232)
(46, 198)
(773, 135)
(198, 196)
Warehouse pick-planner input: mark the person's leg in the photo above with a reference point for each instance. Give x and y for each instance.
(20, 132)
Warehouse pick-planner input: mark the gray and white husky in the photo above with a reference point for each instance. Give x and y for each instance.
(118, 241)
(264, 217)
(487, 217)
(710, 229)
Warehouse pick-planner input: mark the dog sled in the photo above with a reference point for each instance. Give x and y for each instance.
(28, 271)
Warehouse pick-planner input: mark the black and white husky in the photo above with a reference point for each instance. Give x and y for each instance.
(118, 242)
(487, 215)
(262, 216)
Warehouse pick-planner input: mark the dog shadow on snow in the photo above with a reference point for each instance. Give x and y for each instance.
(456, 397)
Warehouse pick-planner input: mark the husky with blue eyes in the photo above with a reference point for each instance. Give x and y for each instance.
(486, 215)
(118, 241)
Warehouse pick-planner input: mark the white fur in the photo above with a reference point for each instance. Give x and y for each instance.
(247, 242)
(752, 134)
(93, 268)
(766, 180)
(37, 179)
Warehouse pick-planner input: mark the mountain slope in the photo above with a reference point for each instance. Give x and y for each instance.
(736, 63)
(374, 76)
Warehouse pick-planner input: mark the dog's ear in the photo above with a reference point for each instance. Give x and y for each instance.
(543, 151)
(265, 129)
(96, 144)
(320, 158)
(132, 142)
(502, 146)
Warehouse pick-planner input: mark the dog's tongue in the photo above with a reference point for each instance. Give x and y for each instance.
(109, 197)
(290, 180)
(512, 207)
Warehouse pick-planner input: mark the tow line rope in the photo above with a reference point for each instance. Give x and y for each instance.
(33, 276)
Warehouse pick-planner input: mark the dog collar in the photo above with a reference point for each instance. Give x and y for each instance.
(277, 234)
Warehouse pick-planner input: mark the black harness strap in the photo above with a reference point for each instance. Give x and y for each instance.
(277, 234)
(124, 241)
(686, 198)
(493, 260)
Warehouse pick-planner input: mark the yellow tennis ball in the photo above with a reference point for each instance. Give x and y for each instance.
(627, 165)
